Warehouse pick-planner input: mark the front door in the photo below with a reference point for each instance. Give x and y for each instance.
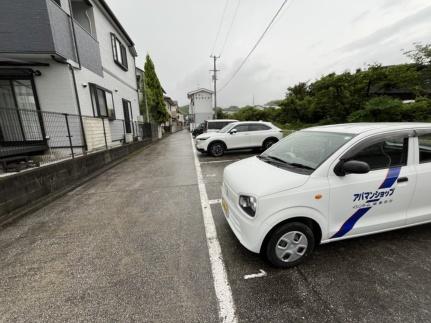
(378, 200)
(240, 139)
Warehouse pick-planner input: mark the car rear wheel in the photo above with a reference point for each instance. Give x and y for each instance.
(268, 143)
(289, 245)
(217, 149)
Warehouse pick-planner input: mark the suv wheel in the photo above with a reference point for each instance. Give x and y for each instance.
(290, 245)
(217, 149)
(268, 143)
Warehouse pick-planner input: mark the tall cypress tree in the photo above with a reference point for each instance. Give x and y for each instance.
(154, 93)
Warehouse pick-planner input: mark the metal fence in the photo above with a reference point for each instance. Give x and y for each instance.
(50, 136)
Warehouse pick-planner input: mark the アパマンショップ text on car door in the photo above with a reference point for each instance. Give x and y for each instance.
(376, 200)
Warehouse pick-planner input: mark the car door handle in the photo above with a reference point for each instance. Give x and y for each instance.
(403, 179)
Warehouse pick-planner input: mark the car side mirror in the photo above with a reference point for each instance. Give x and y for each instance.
(233, 131)
(351, 167)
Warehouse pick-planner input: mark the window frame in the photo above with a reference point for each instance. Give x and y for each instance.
(119, 52)
(420, 133)
(94, 88)
(27, 75)
(130, 112)
(258, 125)
(241, 125)
(367, 142)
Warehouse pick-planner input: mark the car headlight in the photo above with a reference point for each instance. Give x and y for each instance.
(248, 204)
(204, 138)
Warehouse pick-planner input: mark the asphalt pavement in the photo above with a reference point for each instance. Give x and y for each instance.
(130, 245)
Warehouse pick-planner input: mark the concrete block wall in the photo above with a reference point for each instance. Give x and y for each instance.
(28, 187)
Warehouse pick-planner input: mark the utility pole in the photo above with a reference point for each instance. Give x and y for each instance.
(215, 70)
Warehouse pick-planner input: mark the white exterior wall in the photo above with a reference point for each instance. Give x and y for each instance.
(202, 103)
(55, 88)
(201, 106)
(121, 83)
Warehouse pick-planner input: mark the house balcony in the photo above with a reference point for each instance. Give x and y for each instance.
(43, 28)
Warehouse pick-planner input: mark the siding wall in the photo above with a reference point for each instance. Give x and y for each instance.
(25, 27)
(61, 29)
(89, 51)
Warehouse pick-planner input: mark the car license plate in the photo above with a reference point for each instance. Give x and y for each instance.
(225, 207)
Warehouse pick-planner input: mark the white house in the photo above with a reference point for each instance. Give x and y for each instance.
(200, 107)
(65, 57)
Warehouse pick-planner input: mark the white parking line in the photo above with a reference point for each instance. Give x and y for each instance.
(221, 283)
(218, 201)
(220, 161)
(262, 273)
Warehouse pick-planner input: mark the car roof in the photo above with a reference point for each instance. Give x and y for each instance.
(247, 122)
(359, 128)
(217, 120)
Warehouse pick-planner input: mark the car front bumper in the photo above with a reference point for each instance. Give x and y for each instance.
(201, 146)
(244, 228)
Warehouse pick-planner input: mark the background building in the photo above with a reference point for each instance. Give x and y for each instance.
(200, 107)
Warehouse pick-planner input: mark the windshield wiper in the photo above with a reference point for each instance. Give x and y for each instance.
(300, 166)
(270, 158)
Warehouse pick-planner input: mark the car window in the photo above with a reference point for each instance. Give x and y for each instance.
(425, 148)
(258, 127)
(308, 148)
(216, 125)
(242, 128)
(227, 128)
(389, 152)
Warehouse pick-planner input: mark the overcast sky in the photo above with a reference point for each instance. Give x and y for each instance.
(310, 38)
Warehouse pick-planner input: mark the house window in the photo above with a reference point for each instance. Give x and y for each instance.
(20, 120)
(119, 52)
(128, 117)
(103, 102)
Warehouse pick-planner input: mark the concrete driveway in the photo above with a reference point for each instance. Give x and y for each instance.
(131, 245)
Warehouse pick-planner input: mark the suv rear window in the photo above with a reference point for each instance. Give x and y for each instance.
(217, 125)
(258, 127)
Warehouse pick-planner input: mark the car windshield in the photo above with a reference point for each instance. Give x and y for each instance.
(227, 128)
(306, 149)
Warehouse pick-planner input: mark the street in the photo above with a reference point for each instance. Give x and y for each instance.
(131, 245)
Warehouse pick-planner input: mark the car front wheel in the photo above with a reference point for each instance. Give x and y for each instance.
(268, 143)
(217, 149)
(289, 245)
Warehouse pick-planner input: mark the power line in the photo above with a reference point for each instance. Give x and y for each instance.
(219, 26)
(230, 27)
(255, 45)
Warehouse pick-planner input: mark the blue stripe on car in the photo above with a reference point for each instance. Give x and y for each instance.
(391, 178)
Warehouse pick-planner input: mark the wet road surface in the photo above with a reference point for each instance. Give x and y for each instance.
(130, 245)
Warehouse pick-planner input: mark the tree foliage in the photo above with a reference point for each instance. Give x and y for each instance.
(154, 93)
(373, 94)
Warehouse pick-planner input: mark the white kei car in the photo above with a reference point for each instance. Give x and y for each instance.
(329, 183)
(239, 135)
